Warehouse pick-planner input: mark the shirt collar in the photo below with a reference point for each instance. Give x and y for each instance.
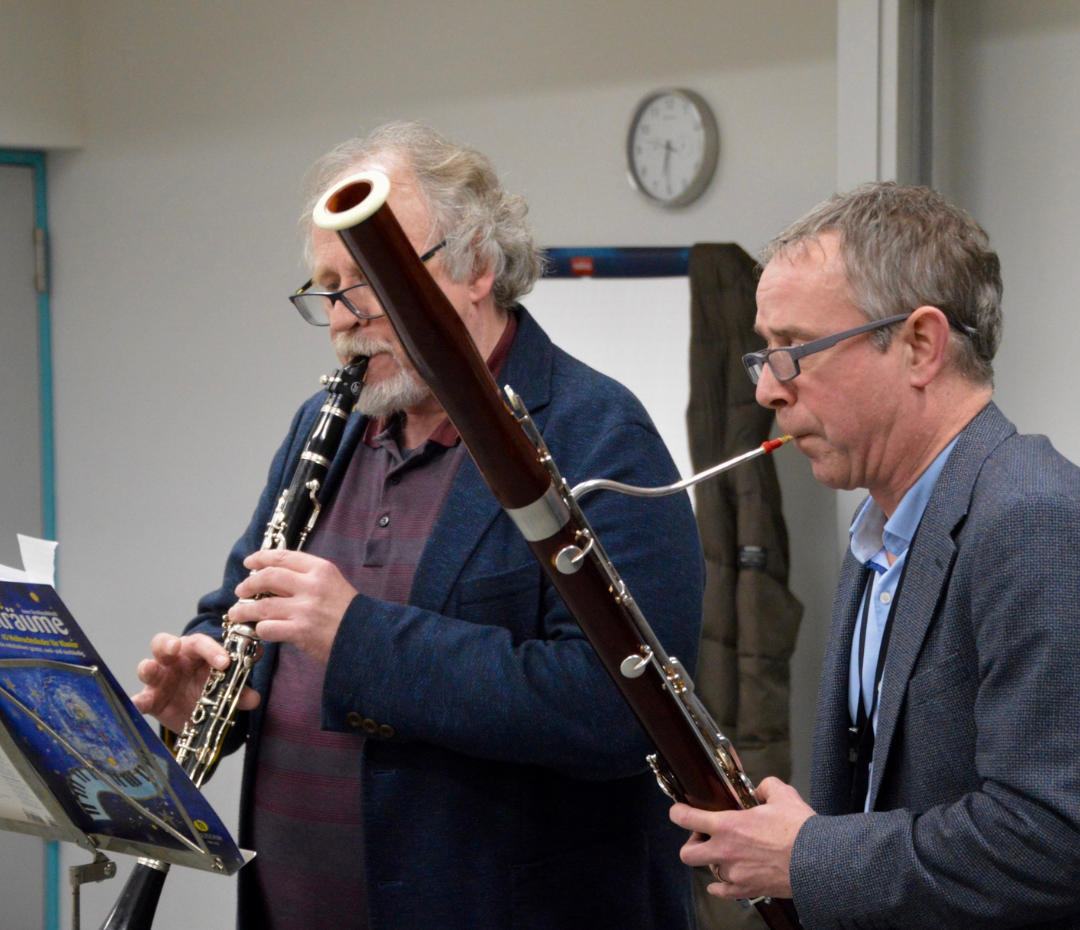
(445, 434)
(871, 532)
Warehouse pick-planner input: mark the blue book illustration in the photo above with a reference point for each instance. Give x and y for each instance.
(65, 717)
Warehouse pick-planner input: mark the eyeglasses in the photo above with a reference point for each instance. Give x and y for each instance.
(784, 362)
(315, 306)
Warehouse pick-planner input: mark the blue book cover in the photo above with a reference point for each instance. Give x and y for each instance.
(75, 726)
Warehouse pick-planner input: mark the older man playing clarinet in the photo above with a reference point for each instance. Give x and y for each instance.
(431, 742)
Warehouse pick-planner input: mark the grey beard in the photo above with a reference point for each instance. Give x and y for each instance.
(399, 392)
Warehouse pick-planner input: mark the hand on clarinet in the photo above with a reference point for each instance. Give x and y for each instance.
(174, 677)
(749, 851)
(311, 597)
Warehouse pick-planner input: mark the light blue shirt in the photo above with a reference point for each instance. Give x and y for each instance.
(871, 537)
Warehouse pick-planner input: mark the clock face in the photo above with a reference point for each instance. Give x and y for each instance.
(672, 147)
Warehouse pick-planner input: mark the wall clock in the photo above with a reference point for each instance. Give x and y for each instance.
(672, 147)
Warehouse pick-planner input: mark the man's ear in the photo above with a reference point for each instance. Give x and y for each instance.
(481, 281)
(926, 339)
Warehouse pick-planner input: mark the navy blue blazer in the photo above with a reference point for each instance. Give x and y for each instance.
(514, 791)
(975, 799)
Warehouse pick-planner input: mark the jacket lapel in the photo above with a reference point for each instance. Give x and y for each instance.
(832, 774)
(932, 556)
(470, 508)
(468, 512)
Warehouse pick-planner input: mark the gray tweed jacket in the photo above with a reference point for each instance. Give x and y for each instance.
(975, 800)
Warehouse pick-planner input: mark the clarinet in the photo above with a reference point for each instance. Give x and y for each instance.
(198, 747)
(694, 762)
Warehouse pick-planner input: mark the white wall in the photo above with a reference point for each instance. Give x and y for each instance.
(40, 104)
(1007, 143)
(178, 362)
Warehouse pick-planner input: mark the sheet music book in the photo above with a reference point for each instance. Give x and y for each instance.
(77, 761)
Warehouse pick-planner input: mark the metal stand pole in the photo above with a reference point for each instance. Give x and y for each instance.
(97, 871)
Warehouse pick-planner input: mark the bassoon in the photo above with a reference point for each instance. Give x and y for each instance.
(198, 747)
(694, 762)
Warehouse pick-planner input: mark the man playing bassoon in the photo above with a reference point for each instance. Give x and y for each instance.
(945, 789)
(431, 741)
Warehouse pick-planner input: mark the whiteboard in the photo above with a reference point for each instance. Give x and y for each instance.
(636, 330)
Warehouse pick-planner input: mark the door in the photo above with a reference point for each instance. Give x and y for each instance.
(20, 396)
(22, 879)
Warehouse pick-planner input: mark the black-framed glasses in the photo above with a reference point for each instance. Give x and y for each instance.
(784, 361)
(315, 306)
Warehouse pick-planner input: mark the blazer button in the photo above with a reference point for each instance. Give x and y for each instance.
(387, 732)
(355, 720)
(370, 726)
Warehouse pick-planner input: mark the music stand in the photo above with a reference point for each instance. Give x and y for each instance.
(79, 763)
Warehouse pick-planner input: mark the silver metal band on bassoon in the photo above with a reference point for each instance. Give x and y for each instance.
(315, 457)
(651, 654)
(543, 518)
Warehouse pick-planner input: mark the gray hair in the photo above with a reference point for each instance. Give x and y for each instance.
(906, 247)
(483, 225)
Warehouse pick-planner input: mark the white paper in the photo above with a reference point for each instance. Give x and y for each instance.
(39, 559)
(17, 800)
(39, 562)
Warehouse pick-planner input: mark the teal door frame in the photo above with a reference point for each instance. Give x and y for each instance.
(36, 161)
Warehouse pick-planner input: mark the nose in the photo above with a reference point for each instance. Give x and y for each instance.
(772, 393)
(342, 319)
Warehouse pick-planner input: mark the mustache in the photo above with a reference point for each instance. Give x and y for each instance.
(358, 342)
